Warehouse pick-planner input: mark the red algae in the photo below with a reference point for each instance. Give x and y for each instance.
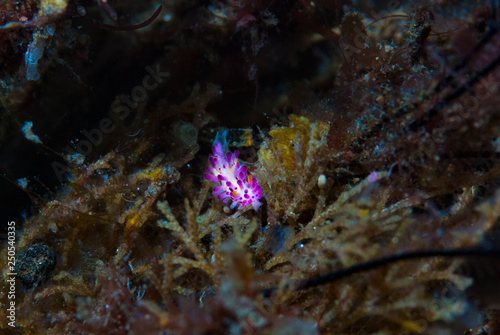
(390, 152)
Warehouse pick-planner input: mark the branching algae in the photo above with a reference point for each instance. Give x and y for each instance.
(377, 203)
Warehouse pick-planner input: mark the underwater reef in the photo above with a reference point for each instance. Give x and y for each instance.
(250, 167)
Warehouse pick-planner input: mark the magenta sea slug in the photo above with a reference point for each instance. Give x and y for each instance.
(233, 182)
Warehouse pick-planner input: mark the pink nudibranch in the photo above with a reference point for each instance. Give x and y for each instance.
(233, 182)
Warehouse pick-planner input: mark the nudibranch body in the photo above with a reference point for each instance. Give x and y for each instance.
(233, 182)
